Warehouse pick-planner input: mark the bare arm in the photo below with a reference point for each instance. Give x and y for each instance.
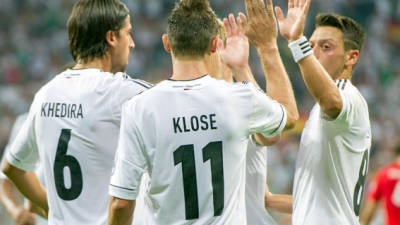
(262, 32)
(318, 82)
(280, 203)
(368, 212)
(37, 210)
(120, 211)
(14, 208)
(28, 184)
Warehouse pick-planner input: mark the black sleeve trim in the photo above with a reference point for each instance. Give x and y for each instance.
(283, 116)
(143, 84)
(15, 157)
(129, 189)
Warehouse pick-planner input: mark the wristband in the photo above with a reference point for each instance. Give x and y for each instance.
(300, 49)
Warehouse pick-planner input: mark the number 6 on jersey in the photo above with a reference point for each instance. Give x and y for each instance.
(63, 160)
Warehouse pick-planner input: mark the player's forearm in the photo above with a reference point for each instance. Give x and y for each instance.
(120, 211)
(33, 208)
(321, 86)
(244, 74)
(368, 212)
(7, 197)
(278, 85)
(280, 203)
(28, 184)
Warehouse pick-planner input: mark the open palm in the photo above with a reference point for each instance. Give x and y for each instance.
(235, 53)
(292, 27)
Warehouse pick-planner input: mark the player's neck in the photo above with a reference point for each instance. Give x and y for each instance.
(188, 69)
(98, 63)
(346, 74)
(397, 160)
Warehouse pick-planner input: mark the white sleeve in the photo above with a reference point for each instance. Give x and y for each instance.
(351, 104)
(23, 153)
(352, 123)
(130, 161)
(126, 89)
(267, 117)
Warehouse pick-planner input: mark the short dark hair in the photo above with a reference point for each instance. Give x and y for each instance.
(353, 34)
(88, 24)
(191, 26)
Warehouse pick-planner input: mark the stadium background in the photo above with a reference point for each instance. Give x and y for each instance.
(33, 48)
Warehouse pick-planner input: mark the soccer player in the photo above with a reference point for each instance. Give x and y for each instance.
(386, 189)
(262, 33)
(334, 149)
(73, 123)
(258, 197)
(191, 139)
(19, 213)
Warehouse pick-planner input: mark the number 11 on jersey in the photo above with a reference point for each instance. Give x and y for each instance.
(185, 155)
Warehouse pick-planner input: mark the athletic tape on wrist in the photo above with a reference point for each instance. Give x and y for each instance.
(300, 49)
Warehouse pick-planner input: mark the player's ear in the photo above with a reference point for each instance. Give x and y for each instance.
(165, 41)
(351, 57)
(214, 42)
(111, 38)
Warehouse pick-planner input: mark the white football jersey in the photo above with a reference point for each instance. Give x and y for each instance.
(189, 136)
(73, 127)
(332, 163)
(256, 181)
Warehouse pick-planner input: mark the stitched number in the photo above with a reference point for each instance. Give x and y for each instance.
(63, 160)
(359, 189)
(185, 155)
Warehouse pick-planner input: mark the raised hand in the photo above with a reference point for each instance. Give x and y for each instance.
(261, 28)
(235, 53)
(292, 26)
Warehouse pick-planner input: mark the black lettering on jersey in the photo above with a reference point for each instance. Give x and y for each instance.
(57, 109)
(195, 123)
(43, 111)
(184, 125)
(212, 121)
(80, 113)
(176, 124)
(50, 111)
(73, 108)
(61, 110)
(203, 120)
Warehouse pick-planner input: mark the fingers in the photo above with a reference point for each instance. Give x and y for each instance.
(227, 28)
(302, 3)
(290, 4)
(306, 7)
(234, 26)
(270, 7)
(255, 8)
(279, 14)
(243, 19)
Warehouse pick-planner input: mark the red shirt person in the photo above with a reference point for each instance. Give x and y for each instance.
(386, 188)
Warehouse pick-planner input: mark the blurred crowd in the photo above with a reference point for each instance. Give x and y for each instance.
(34, 48)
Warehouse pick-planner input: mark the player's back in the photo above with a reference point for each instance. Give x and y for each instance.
(386, 186)
(77, 119)
(192, 135)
